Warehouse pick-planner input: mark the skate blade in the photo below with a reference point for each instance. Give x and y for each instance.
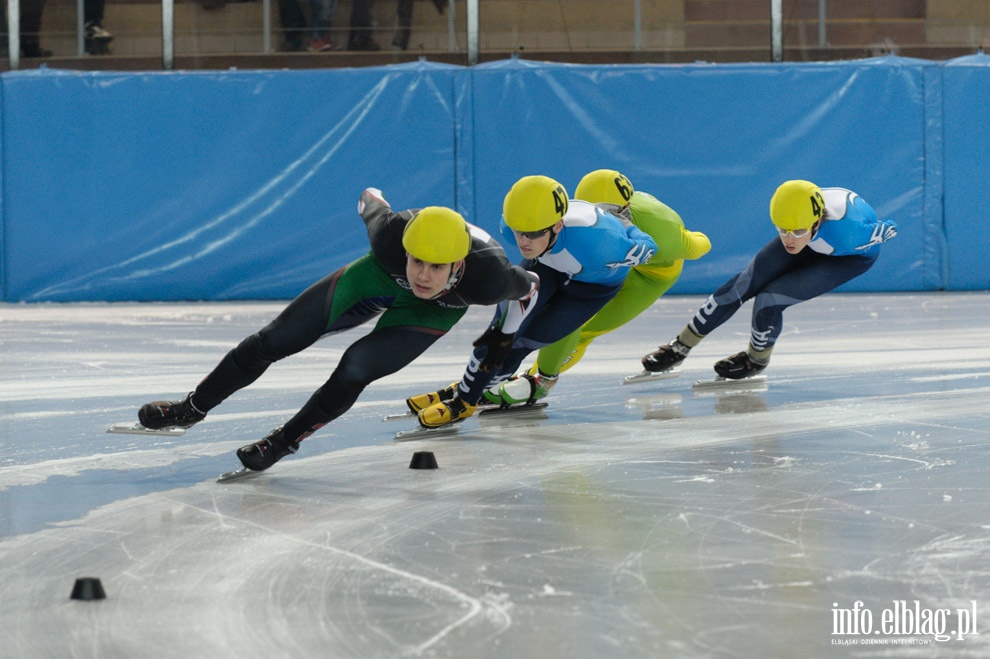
(409, 414)
(651, 376)
(757, 381)
(520, 409)
(237, 474)
(423, 433)
(138, 429)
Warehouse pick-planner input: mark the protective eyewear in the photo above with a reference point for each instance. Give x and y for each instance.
(796, 233)
(532, 235)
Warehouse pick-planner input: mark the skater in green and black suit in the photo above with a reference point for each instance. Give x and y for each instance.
(423, 270)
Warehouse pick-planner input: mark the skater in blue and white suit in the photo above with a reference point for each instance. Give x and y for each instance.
(826, 238)
(581, 254)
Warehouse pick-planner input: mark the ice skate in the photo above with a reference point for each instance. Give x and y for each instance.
(169, 414)
(739, 370)
(441, 418)
(490, 398)
(264, 453)
(666, 357)
(445, 413)
(526, 389)
(422, 401)
(738, 366)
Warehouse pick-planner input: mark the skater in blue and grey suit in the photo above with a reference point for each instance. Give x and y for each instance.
(827, 236)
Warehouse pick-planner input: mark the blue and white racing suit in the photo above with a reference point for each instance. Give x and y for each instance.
(845, 246)
(583, 270)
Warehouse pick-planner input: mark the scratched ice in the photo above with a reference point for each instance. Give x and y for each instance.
(634, 521)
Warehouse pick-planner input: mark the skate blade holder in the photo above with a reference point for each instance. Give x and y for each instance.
(518, 409)
(409, 414)
(138, 429)
(237, 474)
(651, 376)
(423, 433)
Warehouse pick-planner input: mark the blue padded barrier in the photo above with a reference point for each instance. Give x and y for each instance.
(243, 184)
(714, 142)
(966, 180)
(165, 186)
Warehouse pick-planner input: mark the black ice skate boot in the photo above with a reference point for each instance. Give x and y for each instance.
(666, 357)
(170, 414)
(263, 454)
(738, 366)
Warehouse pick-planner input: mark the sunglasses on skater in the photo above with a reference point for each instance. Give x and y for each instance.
(533, 235)
(796, 233)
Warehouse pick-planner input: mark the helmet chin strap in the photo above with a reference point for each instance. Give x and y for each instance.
(456, 272)
(550, 243)
(815, 227)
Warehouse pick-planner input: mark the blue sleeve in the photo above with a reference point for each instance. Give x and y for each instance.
(644, 243)
(858, 232)
(604, 250)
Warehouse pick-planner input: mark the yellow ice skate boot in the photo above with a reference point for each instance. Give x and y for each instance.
(445, 413)
(422, 401)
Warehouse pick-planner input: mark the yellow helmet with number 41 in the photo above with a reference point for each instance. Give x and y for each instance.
(534, 203)
(797, 205)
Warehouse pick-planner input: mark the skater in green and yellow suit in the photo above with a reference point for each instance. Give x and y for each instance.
(643, 286)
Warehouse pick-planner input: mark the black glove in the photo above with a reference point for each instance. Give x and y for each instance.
(499, 344)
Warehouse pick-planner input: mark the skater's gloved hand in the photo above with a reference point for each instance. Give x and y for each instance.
(499, 344)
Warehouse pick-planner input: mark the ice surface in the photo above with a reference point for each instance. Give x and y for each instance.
(634, 521)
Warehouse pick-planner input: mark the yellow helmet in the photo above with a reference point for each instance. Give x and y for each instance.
(534, 203)
(797, 205)
(605, 186)
(437, 235)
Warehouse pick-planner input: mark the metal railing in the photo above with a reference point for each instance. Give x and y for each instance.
(542, 25)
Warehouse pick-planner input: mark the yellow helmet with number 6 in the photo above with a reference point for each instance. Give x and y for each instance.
(437, 235)
(797, 205)
(605, 186)
(534, 203)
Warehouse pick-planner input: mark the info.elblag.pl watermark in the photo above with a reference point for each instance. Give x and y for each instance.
(902, 623)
